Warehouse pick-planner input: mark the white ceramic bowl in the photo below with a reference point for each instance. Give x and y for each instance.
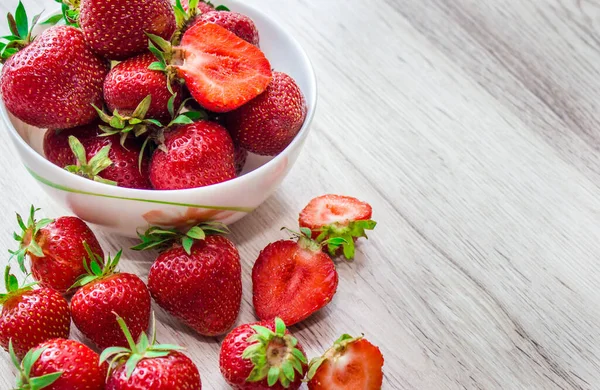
(124, 210)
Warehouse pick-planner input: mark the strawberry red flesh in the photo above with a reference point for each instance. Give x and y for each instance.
(334, 209)
(292, 282)
(221, 70)
(53, 82)
(357, 365)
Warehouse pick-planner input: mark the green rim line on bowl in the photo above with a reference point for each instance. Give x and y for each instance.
(72, 190)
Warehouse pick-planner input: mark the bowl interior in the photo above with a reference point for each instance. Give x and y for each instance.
(282, 50)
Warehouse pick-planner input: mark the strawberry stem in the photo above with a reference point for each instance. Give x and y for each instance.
(27, 239)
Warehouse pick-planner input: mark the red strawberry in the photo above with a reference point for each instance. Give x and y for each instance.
(150, 367)
(352, 363)
(207, 274)
(269, 123)
(195, 155)
(44, 312)
(61, 364)
(333, 216)
(262, 356)
(130, 82)
(100, 158)
(292, 280)
(54, 80)
(203, 6)
(221, 70)
(105, 292)
(118, 30)
(240, 157)
(56, 143)
(239, 24)
(56, 249)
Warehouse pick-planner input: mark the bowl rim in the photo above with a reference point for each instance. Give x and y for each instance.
(311, 98)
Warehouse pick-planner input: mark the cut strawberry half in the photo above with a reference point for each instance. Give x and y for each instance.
(221, 70)
(292, 280)
(352, 363)
(337, 216)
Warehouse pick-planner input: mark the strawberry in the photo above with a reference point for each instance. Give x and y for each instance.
(44, 312)
(194, 155)
(269, 123)
(105, 292)
(149, 366)
(203, 6)
(207, 273)
(50, 82)
(292, 280)
(118, 30)
(60, 364)
(263, 355)
(221, 70)
(56, 249)
(330, 216)
(240, 157)
(131, 81)
(240, 25)
(56, 143)
(352, 363)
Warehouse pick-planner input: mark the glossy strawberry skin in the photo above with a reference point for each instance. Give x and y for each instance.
(240, 25)
(270, 122)
(118, 30)
(235, 369)
(221, 70)
(62, 245)
(94, 305)
(172, 372)
(53, 82)
(124, 170)
(33, 317)
(131, 81)
(197, 155)
(360, 368)
(292, 283)
(202, 6)
(80, 366)
(208, 284)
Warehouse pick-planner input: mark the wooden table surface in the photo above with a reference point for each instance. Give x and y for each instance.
(473, 128)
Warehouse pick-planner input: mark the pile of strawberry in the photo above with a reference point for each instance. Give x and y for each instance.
(149, 95)
(197, 278)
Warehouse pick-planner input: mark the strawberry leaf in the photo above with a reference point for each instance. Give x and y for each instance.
(273, 375)
(21, 20)
(222, 8)
(41, 382)
(52, 20)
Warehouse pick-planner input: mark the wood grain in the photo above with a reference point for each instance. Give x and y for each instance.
(472, 127)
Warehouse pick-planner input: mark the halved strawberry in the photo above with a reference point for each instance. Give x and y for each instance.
(352, 363)
(333, 216)
(221, 70)
(292, 280)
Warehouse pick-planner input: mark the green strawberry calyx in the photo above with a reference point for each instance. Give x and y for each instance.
(13, 289)
(160, 238)
(348, 232)
(305, 240)
(27, 239)
(144, 349)
(185, 18)
(274, 355)
(89, 169)
(336, 351)
(24, 380)
(97, 269)
(20, 33)
(69, 14)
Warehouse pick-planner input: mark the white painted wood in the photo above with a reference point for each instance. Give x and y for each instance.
(472, 127)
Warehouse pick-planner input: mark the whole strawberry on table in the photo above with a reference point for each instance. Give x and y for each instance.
(176, 100)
